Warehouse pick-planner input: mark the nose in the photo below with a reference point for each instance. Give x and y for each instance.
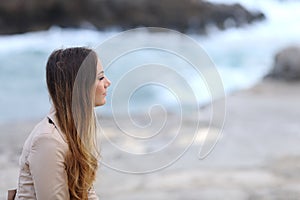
(107, 82)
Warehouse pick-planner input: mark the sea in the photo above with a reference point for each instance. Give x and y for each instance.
(242, 57)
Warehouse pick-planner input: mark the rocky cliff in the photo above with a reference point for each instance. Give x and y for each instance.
(17, 16)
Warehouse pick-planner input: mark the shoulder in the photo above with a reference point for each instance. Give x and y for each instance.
(45, 136)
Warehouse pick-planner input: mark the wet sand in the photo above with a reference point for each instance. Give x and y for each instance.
(257, 157)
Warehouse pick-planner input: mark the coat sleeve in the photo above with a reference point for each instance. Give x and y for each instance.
(47, 166)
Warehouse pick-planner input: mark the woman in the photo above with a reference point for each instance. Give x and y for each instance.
(59, 158)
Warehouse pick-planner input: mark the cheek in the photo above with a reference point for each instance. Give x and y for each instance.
(99, 98)
(99, 88)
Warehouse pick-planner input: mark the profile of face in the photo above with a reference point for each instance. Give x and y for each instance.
(101, 85)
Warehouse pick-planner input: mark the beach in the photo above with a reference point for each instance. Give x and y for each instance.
(257, 156)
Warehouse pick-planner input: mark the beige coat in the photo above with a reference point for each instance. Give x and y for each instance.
(42, 168)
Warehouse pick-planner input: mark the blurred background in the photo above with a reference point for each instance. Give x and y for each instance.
(242, 37)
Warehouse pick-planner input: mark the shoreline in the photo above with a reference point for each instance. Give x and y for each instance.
(258, 156)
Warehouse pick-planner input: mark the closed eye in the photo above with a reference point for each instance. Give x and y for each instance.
(101, 78)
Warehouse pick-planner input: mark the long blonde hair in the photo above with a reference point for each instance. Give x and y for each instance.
(71, 75)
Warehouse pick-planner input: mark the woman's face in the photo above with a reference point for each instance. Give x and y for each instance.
(102, 83)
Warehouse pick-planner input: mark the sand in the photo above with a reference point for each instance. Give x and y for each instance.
(257, 157)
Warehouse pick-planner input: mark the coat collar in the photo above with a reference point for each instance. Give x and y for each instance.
(52, 116)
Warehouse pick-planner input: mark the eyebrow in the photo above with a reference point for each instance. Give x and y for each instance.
(101, 72)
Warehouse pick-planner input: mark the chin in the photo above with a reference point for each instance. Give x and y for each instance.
(100, 103)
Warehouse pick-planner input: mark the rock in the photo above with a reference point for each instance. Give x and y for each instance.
(287, 64)
(17, 16)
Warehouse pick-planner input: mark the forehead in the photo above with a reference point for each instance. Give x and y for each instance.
(99, 66)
